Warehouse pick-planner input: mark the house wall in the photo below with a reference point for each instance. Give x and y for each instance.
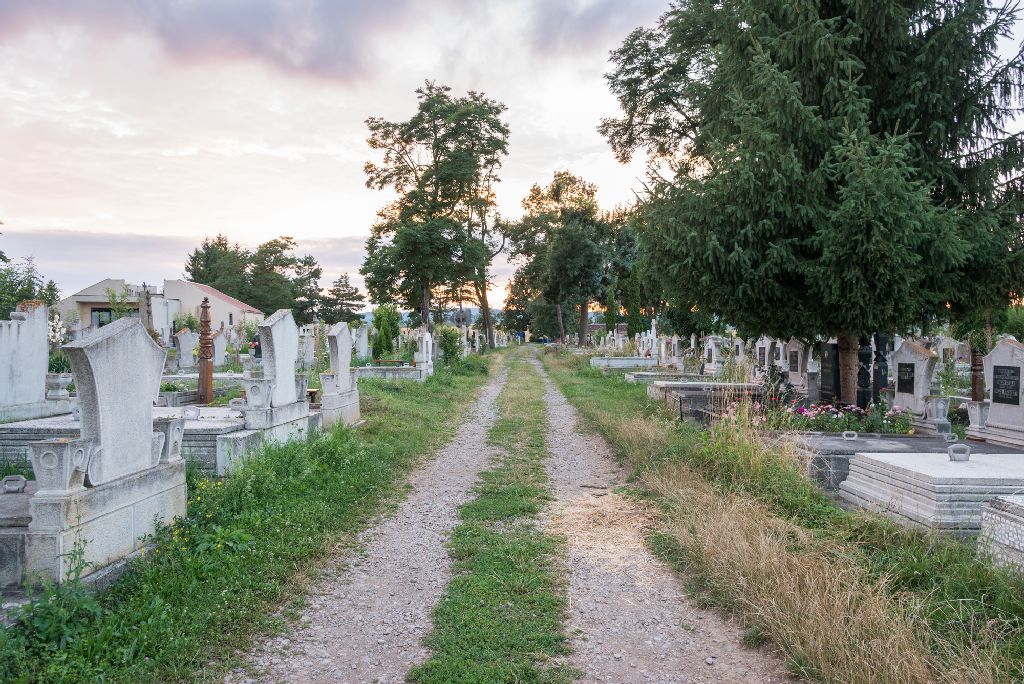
(221, 312)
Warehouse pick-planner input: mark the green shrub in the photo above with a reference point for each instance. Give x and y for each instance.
(449, 339)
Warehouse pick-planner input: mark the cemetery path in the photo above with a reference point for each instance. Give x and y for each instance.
(365, 622)
(630, 619)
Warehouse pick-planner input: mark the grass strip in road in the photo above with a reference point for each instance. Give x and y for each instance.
(215, 579)
(848, 597)
(501, 616)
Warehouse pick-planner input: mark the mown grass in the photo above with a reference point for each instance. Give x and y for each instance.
(965, 616)
(501, 616)
(217, 578)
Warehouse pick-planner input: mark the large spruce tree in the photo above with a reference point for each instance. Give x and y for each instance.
(833, 163)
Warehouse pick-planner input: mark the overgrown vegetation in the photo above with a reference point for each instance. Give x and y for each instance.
(500, 618)
(213, 580)
(848, 597)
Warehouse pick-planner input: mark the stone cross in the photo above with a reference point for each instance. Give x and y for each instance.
(117, 373)
(279, 339)
(205, 394)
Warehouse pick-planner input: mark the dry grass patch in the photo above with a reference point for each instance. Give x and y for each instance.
(807, 596)
(610, 527)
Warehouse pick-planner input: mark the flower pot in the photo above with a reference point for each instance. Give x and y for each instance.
(977, 412)
(57, 385)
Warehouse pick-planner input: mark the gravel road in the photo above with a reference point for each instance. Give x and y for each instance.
(629, 618)
(366, 621)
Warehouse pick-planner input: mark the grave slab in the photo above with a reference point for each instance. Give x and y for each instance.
(929, 491)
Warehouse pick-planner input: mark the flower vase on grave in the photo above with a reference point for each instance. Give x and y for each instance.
(57, 385)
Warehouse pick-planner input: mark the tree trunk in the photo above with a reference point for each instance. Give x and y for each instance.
(849, 364)
(561, 325)
(485, 313)
(584, 322)
(425, 309)
(977, 375)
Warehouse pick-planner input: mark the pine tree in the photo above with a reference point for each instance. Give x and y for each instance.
(343, 302)
(386, 323)
(832, 158)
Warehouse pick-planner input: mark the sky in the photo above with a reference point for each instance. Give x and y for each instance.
(130, 131)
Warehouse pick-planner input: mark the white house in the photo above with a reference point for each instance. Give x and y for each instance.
(91, 308)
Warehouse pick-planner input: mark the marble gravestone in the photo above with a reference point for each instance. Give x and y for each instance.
(123, 472)
(913, 366)
(186, 341)
(425, 351)
(280, 341)
(220, 348)
(1004, 367)
(24, 349)
(362, 342)
(340, 400)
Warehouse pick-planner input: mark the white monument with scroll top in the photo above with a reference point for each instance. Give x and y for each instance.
(106, 488)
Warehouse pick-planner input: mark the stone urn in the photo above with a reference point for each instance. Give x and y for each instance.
(57, 385)
(938, 407)
(977, 411)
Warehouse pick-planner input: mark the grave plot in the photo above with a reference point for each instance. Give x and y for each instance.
(1002, 530)
(422, 368)
(275, 409)
(930, 490)
(107, 486)
(340, 402)
(827, 456)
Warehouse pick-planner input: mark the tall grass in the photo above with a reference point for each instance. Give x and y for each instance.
(848, 597)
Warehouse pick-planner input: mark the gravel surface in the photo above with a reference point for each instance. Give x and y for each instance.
(366, 622)
(630, 619)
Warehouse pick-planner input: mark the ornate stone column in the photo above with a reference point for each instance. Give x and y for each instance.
(205, 354)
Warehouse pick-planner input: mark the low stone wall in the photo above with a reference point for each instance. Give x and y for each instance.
(187, 397)
(417, 373)
(1002, 531)
(624, 361)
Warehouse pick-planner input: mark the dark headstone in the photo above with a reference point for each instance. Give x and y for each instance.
(1006, 385)
(880, 367)
(864, 373)
(829, 374)
(794, 361)
(905, 378)
(761, 357)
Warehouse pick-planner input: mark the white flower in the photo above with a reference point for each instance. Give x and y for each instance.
(57, 334)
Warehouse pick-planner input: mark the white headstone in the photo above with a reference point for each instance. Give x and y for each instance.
(1004, 366)
(23, 356)
(220, 347)
(339, 343)
(279, 341)
(911, 370)
(117, 374)
(362, 341)
(186, 341)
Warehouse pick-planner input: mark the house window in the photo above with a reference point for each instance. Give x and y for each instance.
(100, 317)
(231, 318)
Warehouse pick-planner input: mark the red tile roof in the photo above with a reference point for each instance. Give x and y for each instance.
(214, 292)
